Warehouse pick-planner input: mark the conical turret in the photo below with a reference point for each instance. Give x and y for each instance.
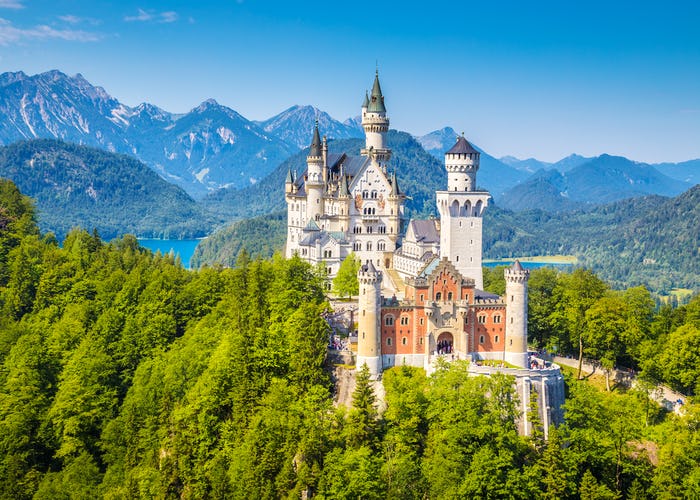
(375, 123)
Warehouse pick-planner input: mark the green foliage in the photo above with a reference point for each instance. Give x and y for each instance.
(345, 283)
(651, 241)
(258, 237)
(122, 375)
(494, 280)
(79, 186)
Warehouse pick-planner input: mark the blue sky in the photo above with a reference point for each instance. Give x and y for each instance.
(531, 79)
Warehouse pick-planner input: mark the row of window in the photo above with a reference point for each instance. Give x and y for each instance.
(370, 229)
(357, 246)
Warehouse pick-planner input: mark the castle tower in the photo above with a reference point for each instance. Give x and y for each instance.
(376, 124)
(314, 178)
(461, 209)
(516, 315)
(368, 324)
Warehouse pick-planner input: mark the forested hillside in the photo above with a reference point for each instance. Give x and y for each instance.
(122, 375)
(78, 186)
(260, 236)
(650, 240)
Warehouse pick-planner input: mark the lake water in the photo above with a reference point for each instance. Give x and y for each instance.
(529, 265)
(183, 248)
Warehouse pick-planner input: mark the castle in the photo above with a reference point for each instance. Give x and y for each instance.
(421, 296)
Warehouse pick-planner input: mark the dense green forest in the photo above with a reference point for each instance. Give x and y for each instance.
(79, 186)
(122, 375)
(577, 313)
(260, 236)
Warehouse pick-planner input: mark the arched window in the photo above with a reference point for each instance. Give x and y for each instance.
(449, 295)
(438, 296)
(369, 246)
(495, 339)
(481, 339)
(404, 341)
(389, 321)
(388, 341)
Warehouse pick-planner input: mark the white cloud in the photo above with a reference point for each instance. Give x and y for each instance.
(11, 4)
(169, 16)
(10, 34)
(71, 19)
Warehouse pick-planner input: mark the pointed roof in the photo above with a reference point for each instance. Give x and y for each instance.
(311, 226)
(315, 143)
(462, 146)
(376, 104)
(290, 178)
(365, 103)
(517, 266)
(395, 191)
(370, 267)
(344, 190)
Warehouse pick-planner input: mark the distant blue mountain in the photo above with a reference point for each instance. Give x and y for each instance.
(599, 180)
(210, 147)
(295, 126)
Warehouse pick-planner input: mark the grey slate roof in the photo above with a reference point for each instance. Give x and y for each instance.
(482, 295)
(462, 146)
(425, 230)
(315, 149)
(517, 266)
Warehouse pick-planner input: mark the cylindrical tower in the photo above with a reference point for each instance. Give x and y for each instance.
(314, 178)
(376, 124)
(516, 315)
(368, 324)
(462, 163)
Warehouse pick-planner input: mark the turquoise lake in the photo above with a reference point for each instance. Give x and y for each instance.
(530, 265)
(183, 248)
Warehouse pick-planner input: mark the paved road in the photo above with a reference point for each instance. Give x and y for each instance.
(663, 395)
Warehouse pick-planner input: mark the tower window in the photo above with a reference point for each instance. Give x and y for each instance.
(497, 318)
(404, 341)
(449, 295)
(482, 318)
(389, 320)
(481, 339)
(388, 341)
(495, 339)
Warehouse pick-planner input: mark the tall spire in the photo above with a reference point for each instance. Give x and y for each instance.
(316, 142)
(365, 103)
(395, 191)
(376, 104)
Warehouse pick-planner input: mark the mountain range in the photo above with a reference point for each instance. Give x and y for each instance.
(209, 147)
(80, 186)
(213, 147)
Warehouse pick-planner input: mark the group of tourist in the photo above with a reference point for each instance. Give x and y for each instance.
(444, 347)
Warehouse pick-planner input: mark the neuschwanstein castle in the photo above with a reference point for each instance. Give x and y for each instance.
(421, 294)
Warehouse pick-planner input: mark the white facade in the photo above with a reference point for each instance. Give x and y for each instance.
(516, 314)
(343, 204)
